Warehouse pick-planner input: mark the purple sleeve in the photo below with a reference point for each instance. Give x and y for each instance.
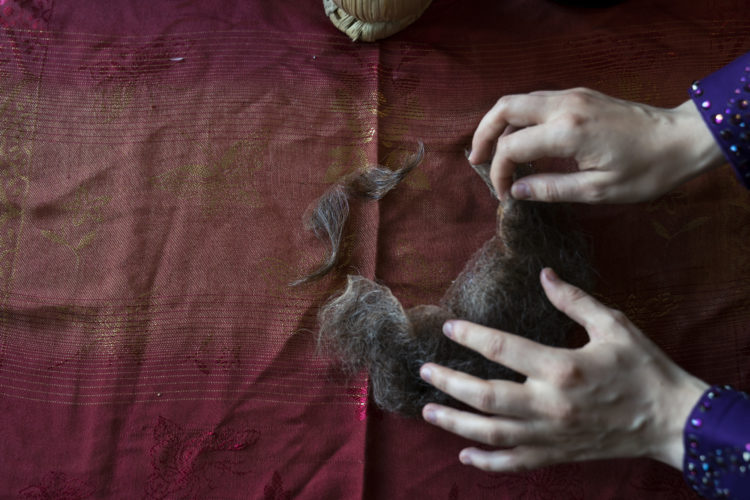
(717, 444)
(723, 99)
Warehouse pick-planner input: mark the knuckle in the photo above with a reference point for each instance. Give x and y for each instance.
(595, 193)
(615, 320)
(618, 317)
(549, 192)
(495, 437)
(446, 421)
(577, 97)
(584, 91)
(486, 398)
(572, 121)
(502, 103)
(501, 108)
(495, 348)
(566, 374)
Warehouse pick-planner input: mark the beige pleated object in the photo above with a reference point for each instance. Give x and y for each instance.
(370, 20)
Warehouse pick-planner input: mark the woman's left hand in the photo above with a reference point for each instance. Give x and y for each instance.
(617, 396)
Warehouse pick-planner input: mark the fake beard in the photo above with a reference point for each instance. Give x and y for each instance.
(366, 327)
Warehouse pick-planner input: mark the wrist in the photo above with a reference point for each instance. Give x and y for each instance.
(673, 412)
(696, 141)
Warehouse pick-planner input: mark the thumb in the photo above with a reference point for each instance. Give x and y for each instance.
(577, 187)
(576, 304)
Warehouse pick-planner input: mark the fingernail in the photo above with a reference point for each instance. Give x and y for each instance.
(426, 373)
(550, 274)
(520, 191)
(465, 458)
(448, 329)
(430, 415)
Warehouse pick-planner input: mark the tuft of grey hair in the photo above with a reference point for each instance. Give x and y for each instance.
(366, 327)
(327, 215)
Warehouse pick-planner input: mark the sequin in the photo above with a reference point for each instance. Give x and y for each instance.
(747, 446)
(743, 104)
(734, 149)
(725, 134)
(737, 91)
(695, 85)
(705, 466)
(696, 422)
(746, 456)
(736, 118)
(718, 118)
(706, 104)
(698, 92)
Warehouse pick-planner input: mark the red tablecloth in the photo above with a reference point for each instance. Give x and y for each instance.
(155, 161)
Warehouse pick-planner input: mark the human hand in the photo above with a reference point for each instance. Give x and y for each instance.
(617, 396)
(626, 151)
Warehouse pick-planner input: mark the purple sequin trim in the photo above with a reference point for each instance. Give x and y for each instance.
(723, 99)
(717, 444)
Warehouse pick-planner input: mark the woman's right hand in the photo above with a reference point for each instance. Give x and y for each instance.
(625, 151)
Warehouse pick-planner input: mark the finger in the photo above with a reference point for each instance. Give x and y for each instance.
(582, 187)
(501, 174)
(517, 110)
(494, 431)
(527, 145)
(575, 303)
(497, 396)
(517, 353)
(514, 459)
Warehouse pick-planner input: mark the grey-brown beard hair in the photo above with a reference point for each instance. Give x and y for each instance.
(366, 327)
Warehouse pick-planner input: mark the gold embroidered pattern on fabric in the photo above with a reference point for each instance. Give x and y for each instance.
(18, 101)
(84, 214)
(224, 181)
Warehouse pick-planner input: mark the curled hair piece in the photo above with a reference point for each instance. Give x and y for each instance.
(327, 216)
(366, 327)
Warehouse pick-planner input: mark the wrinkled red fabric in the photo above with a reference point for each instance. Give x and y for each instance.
(155, 162)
